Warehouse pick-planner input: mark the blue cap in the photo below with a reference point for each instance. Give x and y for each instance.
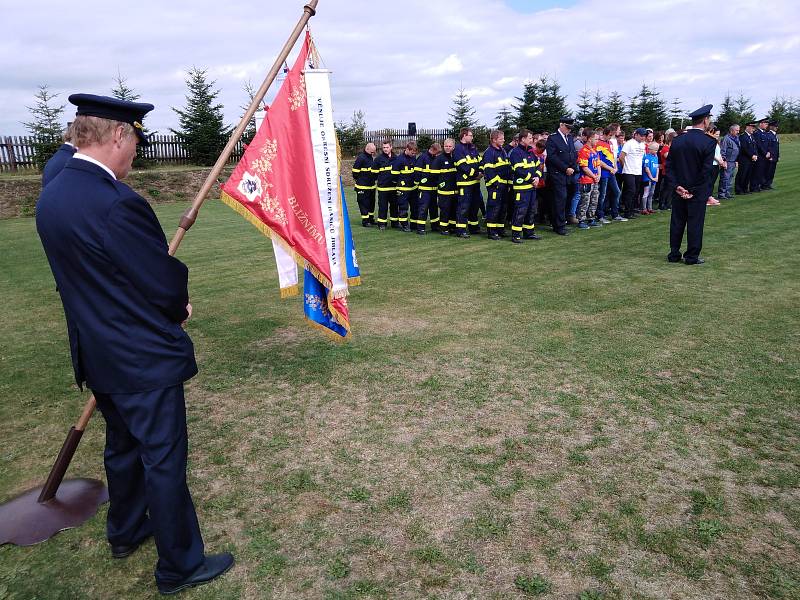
(567, 121)
(640, 131)
(114, 109)
(701, 112)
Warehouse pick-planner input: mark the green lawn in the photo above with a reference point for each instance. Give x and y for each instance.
(571, 418)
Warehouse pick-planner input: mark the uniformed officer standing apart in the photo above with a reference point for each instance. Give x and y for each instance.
(59, 159)
(124, 300)
(364, 178)
(562, 162)
(746, 160)
(761, 138)
(690, 177)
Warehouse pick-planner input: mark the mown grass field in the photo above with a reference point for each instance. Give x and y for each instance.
(571, 418)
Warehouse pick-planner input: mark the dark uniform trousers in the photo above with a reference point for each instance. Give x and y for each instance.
(497, 196)
(689, 215)
(563, 187)
(769, 177)
(145, 460)
(744, 172)
(366, 204)
(426, 203)
(759, 173)
(476, 206)
(524, 212)
(386, 198)
(631, 188)
(447, 209)
(467, 207)
(404, 200)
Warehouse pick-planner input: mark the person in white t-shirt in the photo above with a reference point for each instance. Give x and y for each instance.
(631, 157)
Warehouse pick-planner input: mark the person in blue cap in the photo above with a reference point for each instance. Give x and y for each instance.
(125, 299)
(562, 164)
(690, 170)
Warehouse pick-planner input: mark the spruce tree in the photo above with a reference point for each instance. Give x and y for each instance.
(122, 91)
(584, 104)
(551, 105)
(526, 109)
(676, 113)
(45, 126)
(505, 122)
(743, 110)
(613, 110)
(648, 109)
(202, 128)
(351, 135)
(461, 114)
(250, 130)
(596, 119)
(726, 115)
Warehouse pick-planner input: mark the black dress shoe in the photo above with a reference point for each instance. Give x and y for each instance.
(516, 240)
(673, 259)
(531, 236)
(444, 232)
(494, 237)
(562, 232)
(696, 261)
(366, 224)
(122, 550)
(213, 566)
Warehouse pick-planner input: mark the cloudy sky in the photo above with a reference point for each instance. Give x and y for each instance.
(401, 61)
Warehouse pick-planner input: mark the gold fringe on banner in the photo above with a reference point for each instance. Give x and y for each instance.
(267, 231)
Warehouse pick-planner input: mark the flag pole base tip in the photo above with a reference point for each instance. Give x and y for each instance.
(24, 521)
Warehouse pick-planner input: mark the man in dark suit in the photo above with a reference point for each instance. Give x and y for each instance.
(775, 154)
(761, 138)
(562, 162)
(747, 158)
(690, 169)
(59, 159)
(124, 301)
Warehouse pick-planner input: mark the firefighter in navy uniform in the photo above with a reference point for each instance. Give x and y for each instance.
(761, 138)
(426, 182)
(124, 301)
(467, 163)
(746, 161)
(364, 178)
(526, 171)
(690, 177)
(775, 153)
(496, 173)
(403, 173)
(384, 183)
(445, 171)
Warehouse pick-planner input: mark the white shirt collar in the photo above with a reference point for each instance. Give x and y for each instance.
(80, 156)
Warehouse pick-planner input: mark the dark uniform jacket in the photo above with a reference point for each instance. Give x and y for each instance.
(762, 143)
(57, 162)
(467, 163)
(526, 168)
(403, 172)
(747, 147)
(426, 179)
(773, 145)
(124, 297)
(445, 169)
(560, 156)
(382, 167)
(690, 163)
(496, 166)
(363, 174)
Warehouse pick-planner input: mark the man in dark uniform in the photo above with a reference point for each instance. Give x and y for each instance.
(775, 153)
(561, 162)
(469, 200)
(385, 184)
(690, 170)
(497, 173)
(426, 181)
(526, 170)
(59, 159)
(761, 138)
(446, 175)
(746, 160)
(364, 178)
(403, 173)
(124, 301)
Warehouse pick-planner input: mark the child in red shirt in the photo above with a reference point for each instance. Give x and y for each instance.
(589, 165)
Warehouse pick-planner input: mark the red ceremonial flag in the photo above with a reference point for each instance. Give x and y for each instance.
(274, 186)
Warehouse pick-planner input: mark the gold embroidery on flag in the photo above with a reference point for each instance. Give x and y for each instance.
(298, 96)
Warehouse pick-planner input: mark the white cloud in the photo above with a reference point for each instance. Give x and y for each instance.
(533, 52)
(480, 91)
(504, 81)
(451, 64)
(752, 49)
(499, 103)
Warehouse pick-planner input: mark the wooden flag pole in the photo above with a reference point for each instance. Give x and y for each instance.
(21, 531)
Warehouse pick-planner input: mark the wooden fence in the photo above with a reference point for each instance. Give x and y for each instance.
(400, 137)
(17, 153)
